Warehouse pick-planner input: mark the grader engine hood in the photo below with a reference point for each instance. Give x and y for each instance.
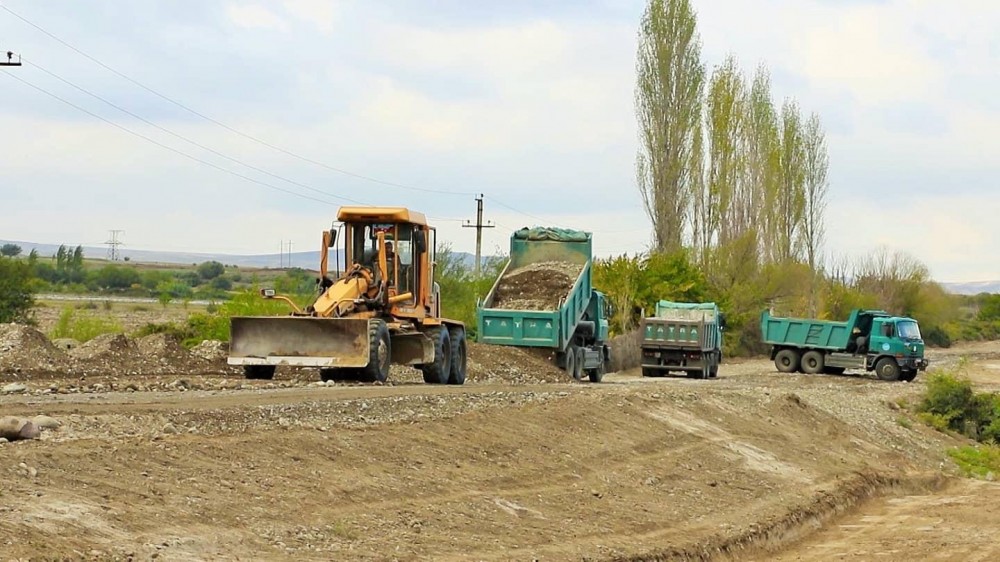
(299, 341)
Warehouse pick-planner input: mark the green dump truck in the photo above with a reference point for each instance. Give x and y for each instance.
(870, 340)
(544, 299)
(684, 337)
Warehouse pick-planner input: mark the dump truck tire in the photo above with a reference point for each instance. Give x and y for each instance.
(258, 372)
(887, 369)
(459, 361)
(787, 360)
(581, 360)
(571, 363)
(379, 353)
(647, 372)
(812, 363)
(439, 371)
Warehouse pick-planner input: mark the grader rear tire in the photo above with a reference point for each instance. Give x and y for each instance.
(439, 371)
(458, 356)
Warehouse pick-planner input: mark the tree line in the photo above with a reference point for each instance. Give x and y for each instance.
(736, 186)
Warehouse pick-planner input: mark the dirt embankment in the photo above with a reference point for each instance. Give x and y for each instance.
(537, 286)
(597, 472)
(27, 355)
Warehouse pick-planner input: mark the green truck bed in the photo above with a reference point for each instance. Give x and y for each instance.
(540, 328)
(816, 334)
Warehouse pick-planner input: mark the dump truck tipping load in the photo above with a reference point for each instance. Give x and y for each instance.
(870, 340)
(544, 298)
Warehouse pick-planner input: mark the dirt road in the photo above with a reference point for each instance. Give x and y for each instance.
(194, 468)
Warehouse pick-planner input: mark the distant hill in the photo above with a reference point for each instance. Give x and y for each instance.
(305, 260)
(973, 288)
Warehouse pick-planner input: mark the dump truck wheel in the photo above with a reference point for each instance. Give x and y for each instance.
(648, 372)
(571, 363)
(812, 363)
(887, 369)
(787, 361)
(439, 371)
(259, 372)
(379, 353)
(581, 360)
(458, 356)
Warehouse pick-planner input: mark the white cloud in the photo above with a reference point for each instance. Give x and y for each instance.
(955, 236)
(321, 13)
(255, 16)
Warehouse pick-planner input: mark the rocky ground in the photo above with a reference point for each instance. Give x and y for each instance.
(146, 451)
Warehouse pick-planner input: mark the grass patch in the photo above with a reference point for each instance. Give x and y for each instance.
(981, 461)
(343, 531)
(904, 422)
(83, 327)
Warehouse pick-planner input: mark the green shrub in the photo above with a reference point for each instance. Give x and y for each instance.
(950, 403)
(981, 461)
(83, 327)
(938, 337)
(15, 290)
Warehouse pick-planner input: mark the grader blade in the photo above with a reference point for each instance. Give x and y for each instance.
(299, 341)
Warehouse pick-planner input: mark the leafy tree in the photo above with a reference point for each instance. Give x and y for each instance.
(16, 298)
(221, 283)
(210, 270)
(668, 94)
(10, 250)
(116, 277)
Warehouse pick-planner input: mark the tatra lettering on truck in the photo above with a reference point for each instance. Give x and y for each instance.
(870, 340)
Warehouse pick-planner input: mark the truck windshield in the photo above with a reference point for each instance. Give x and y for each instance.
(908, 330)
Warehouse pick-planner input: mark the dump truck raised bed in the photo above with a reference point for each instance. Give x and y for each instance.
(684, 337)
(544, 299)
(870, 340)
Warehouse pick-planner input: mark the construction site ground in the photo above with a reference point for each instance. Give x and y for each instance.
(517, 464)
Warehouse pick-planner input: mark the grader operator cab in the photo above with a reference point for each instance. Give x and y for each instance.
(385, 308)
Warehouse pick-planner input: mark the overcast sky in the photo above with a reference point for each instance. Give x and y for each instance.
(526, 101)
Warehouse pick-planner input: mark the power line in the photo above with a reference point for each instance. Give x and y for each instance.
(235, 131)
(176, 151)
(227, 127)
(187, 140)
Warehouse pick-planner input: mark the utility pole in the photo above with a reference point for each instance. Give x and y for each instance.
(479, 226)
(289, 253)
(113, 244)
(10, 59)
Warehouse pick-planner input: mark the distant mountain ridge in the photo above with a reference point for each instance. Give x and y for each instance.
(305, 260)
(972, 288)
(310, 260)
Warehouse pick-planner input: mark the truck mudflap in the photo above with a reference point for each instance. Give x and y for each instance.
(299, 341)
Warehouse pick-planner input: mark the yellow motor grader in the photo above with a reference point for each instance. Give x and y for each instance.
(385, 308)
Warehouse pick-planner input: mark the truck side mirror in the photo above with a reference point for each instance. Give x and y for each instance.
(333, 238)
(722, 322)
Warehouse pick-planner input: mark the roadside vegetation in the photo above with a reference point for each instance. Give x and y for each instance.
(951, 405)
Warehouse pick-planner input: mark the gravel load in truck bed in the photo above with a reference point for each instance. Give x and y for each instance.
(536, 286)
